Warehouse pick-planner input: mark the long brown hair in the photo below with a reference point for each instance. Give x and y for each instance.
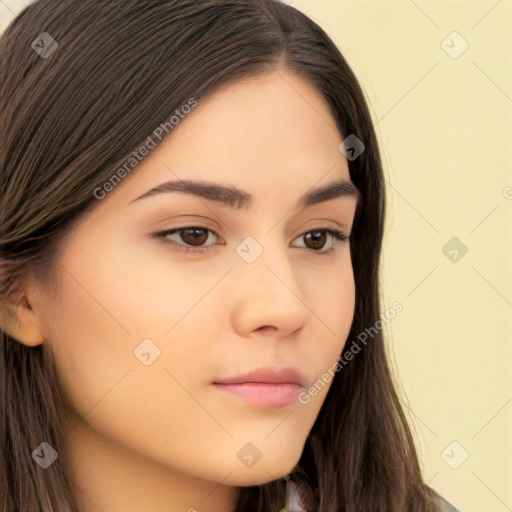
(72, 117)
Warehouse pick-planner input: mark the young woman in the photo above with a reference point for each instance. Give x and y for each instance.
(191, 215)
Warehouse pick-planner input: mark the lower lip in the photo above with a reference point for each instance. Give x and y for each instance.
(264, 394)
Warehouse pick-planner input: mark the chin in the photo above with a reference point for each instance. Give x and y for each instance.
(244, 478)
(262, 473)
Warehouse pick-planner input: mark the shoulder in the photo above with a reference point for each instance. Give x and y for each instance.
(447, 507)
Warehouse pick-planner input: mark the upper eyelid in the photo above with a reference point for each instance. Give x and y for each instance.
(334, 227)
(326, 223)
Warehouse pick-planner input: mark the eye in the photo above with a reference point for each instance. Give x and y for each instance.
(194, 236)
(317, 239)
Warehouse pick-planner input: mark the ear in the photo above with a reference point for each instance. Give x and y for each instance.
(18, 320)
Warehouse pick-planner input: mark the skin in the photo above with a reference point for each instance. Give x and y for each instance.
(162, 437)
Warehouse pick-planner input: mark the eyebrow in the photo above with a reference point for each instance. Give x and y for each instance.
(236, 198)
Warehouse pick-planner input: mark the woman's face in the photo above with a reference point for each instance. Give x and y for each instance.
(143, 333)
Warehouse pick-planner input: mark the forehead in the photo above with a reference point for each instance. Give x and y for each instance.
(276, 113)
(265, 134)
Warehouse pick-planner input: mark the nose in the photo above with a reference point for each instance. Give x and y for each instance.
(269, 297)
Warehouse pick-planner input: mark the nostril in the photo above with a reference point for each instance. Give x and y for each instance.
(266, 328)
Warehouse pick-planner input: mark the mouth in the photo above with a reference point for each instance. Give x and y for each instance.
(266, 387)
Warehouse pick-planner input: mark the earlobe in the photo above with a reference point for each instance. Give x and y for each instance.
(19, 322)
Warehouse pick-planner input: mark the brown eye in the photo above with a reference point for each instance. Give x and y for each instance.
(317, 239)
(194, 236)
(189, 239)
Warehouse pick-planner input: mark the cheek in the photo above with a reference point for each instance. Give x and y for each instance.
(91, 343)
(334, 313)
(337, 304)
(156, 295)
(333, 296)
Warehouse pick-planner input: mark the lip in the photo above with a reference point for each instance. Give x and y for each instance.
(268, 375)
(266, 387)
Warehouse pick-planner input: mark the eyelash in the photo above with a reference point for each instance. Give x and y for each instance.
(339, 236)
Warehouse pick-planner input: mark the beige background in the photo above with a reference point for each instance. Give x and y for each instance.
(444, 125)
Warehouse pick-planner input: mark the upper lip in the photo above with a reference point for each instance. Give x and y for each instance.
(269, 375)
